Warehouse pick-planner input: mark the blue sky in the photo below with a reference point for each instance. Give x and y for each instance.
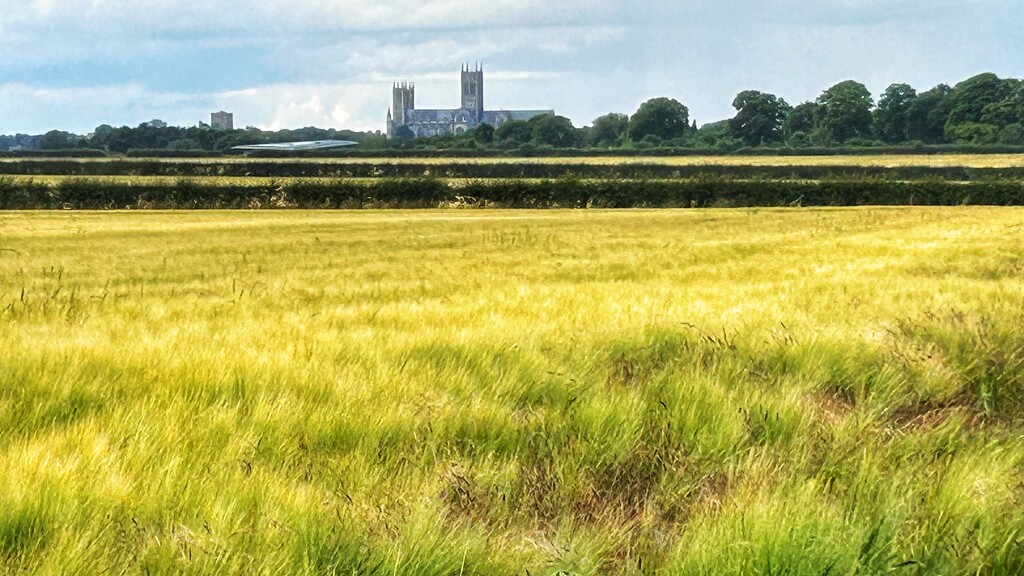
(75, 64)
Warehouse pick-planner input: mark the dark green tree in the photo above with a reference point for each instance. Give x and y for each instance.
(1001, 113)
(556, 131)
(759, 117)
(1012, 135)
(717, 135)
(1009, 110)
(184, 144)
(513, 132)
(973, 133)
(844, 112)
(800, 121)
(121, 139)
(665, 118)
(58, 140)
(926, 115)
(609, 130)
(891, 114)
(100, 136)
(484, 134)
(968, 99)
(401, 134)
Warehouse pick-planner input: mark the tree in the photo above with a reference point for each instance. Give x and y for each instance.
(1009, 110)
(513, 132)
(556, 131)
(484, 134)
(716, 134)
(100, 136)
(57, 140)
(844, 111)
(609, 130)
(665, 118)
(1002, 113)
(968, 99)
(1012, 135)
(184, 144)
(403, 134)
(974, 133)
(926, 115)
(800, 121)
(759, 117)
(891, 115)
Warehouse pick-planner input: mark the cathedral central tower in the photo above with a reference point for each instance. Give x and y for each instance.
(473, 91)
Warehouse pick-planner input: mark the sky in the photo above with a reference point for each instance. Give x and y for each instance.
(75, 64)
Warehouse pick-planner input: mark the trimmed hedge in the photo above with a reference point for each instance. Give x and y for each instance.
(307, 169)
(532, 152)
(430, 193)
(529, 151)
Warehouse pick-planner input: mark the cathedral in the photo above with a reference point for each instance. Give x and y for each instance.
(420, 123)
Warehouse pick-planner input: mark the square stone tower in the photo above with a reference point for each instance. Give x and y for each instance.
(403, 102)
(473, 90)
(222, 121)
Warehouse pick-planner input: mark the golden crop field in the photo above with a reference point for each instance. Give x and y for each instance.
(880, 160)
(759, 391)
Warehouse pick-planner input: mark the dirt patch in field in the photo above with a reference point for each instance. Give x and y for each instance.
(832, 405)
(925, 416)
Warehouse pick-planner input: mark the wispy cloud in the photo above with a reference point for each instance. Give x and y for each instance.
(304, 15)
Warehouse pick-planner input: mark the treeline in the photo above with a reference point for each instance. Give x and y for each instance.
(156, 136)
(980, 112)
(19, 141)
(78, 193)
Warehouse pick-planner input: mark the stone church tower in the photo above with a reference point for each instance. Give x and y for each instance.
(473, 91)
(403, 102)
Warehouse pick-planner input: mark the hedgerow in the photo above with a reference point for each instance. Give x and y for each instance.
(429, 192)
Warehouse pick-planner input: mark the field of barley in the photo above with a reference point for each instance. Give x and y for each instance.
(748, 391)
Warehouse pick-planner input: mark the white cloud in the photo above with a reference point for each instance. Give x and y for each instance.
(438, 54)
(273, 107)
(359, 106)
(299, 15)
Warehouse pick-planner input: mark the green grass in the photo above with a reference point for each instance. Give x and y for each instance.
(835, 391)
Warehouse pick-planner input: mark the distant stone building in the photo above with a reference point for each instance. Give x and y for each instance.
(420, 123)
(222, 121)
